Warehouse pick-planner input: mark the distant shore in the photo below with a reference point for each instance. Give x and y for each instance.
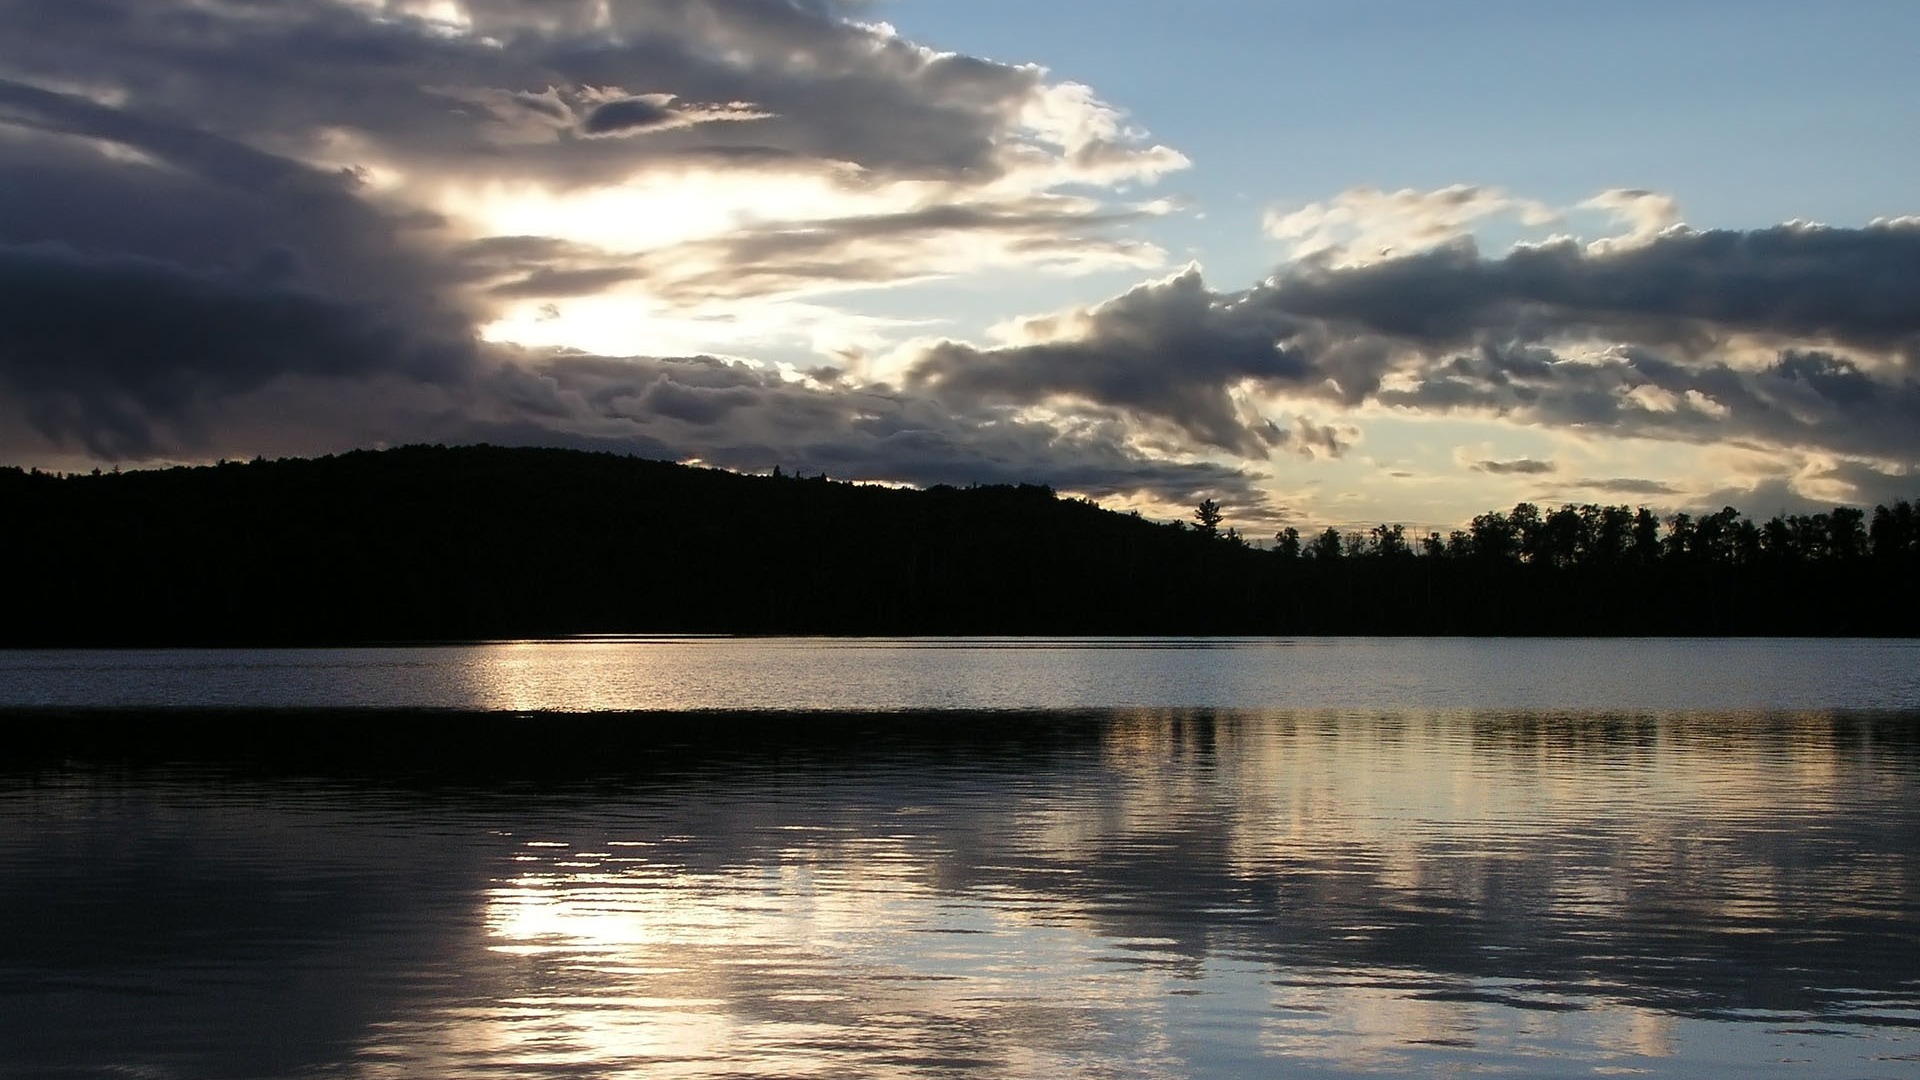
(425, 544)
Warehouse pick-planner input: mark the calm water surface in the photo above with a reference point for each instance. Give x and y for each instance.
(1199, 870)
(983, 673)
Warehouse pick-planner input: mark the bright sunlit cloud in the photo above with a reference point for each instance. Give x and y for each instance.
(654, 210)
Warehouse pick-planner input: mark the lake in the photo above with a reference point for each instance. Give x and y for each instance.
(640, 674)
(709, 857)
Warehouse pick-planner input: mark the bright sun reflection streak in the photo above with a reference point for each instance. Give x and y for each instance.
(837, 955)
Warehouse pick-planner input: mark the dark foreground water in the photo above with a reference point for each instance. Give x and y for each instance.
(1103, 891)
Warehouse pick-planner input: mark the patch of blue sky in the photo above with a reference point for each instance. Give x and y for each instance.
(1751, 112)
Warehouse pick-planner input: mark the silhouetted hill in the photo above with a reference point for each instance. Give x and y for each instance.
(442, 543)
(434, 543)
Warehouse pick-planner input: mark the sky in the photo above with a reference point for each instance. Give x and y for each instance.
(1324, 263)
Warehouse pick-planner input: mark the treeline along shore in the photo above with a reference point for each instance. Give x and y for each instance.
(435, 543)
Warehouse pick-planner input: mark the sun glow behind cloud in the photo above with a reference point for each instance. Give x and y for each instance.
(451, 15)
(632, 223)
(652, 210)
(718, 242)
(724, 260)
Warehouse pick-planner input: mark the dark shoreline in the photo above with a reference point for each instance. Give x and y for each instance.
(431, 544)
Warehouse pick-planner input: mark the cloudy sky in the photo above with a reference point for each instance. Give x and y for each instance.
(1328, 263)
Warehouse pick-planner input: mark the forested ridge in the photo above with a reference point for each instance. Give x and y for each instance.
(435, 543)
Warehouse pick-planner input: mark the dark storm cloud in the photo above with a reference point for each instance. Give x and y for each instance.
(1446, 330)
(293, 75)
(1627, 485)
(724, 413)
(627, 115)
(1801, 282)
(741, 416)
(1807, 400)
(206, 203)
(148, 269)
(177, 281)
(98, 347)
(231, 99)
(624, 116)
(1519, 466)
(128, 356)
(1169, 350)
(246, 368)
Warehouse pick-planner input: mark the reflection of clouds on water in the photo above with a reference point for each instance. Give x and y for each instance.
(1422, 887)
(1169, 893)
(1409, 1020)
(170, 925)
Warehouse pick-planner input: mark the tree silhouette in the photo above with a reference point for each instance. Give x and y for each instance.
(1326, 546)
(1209, 518)
(436, 543)
(1388, 541)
